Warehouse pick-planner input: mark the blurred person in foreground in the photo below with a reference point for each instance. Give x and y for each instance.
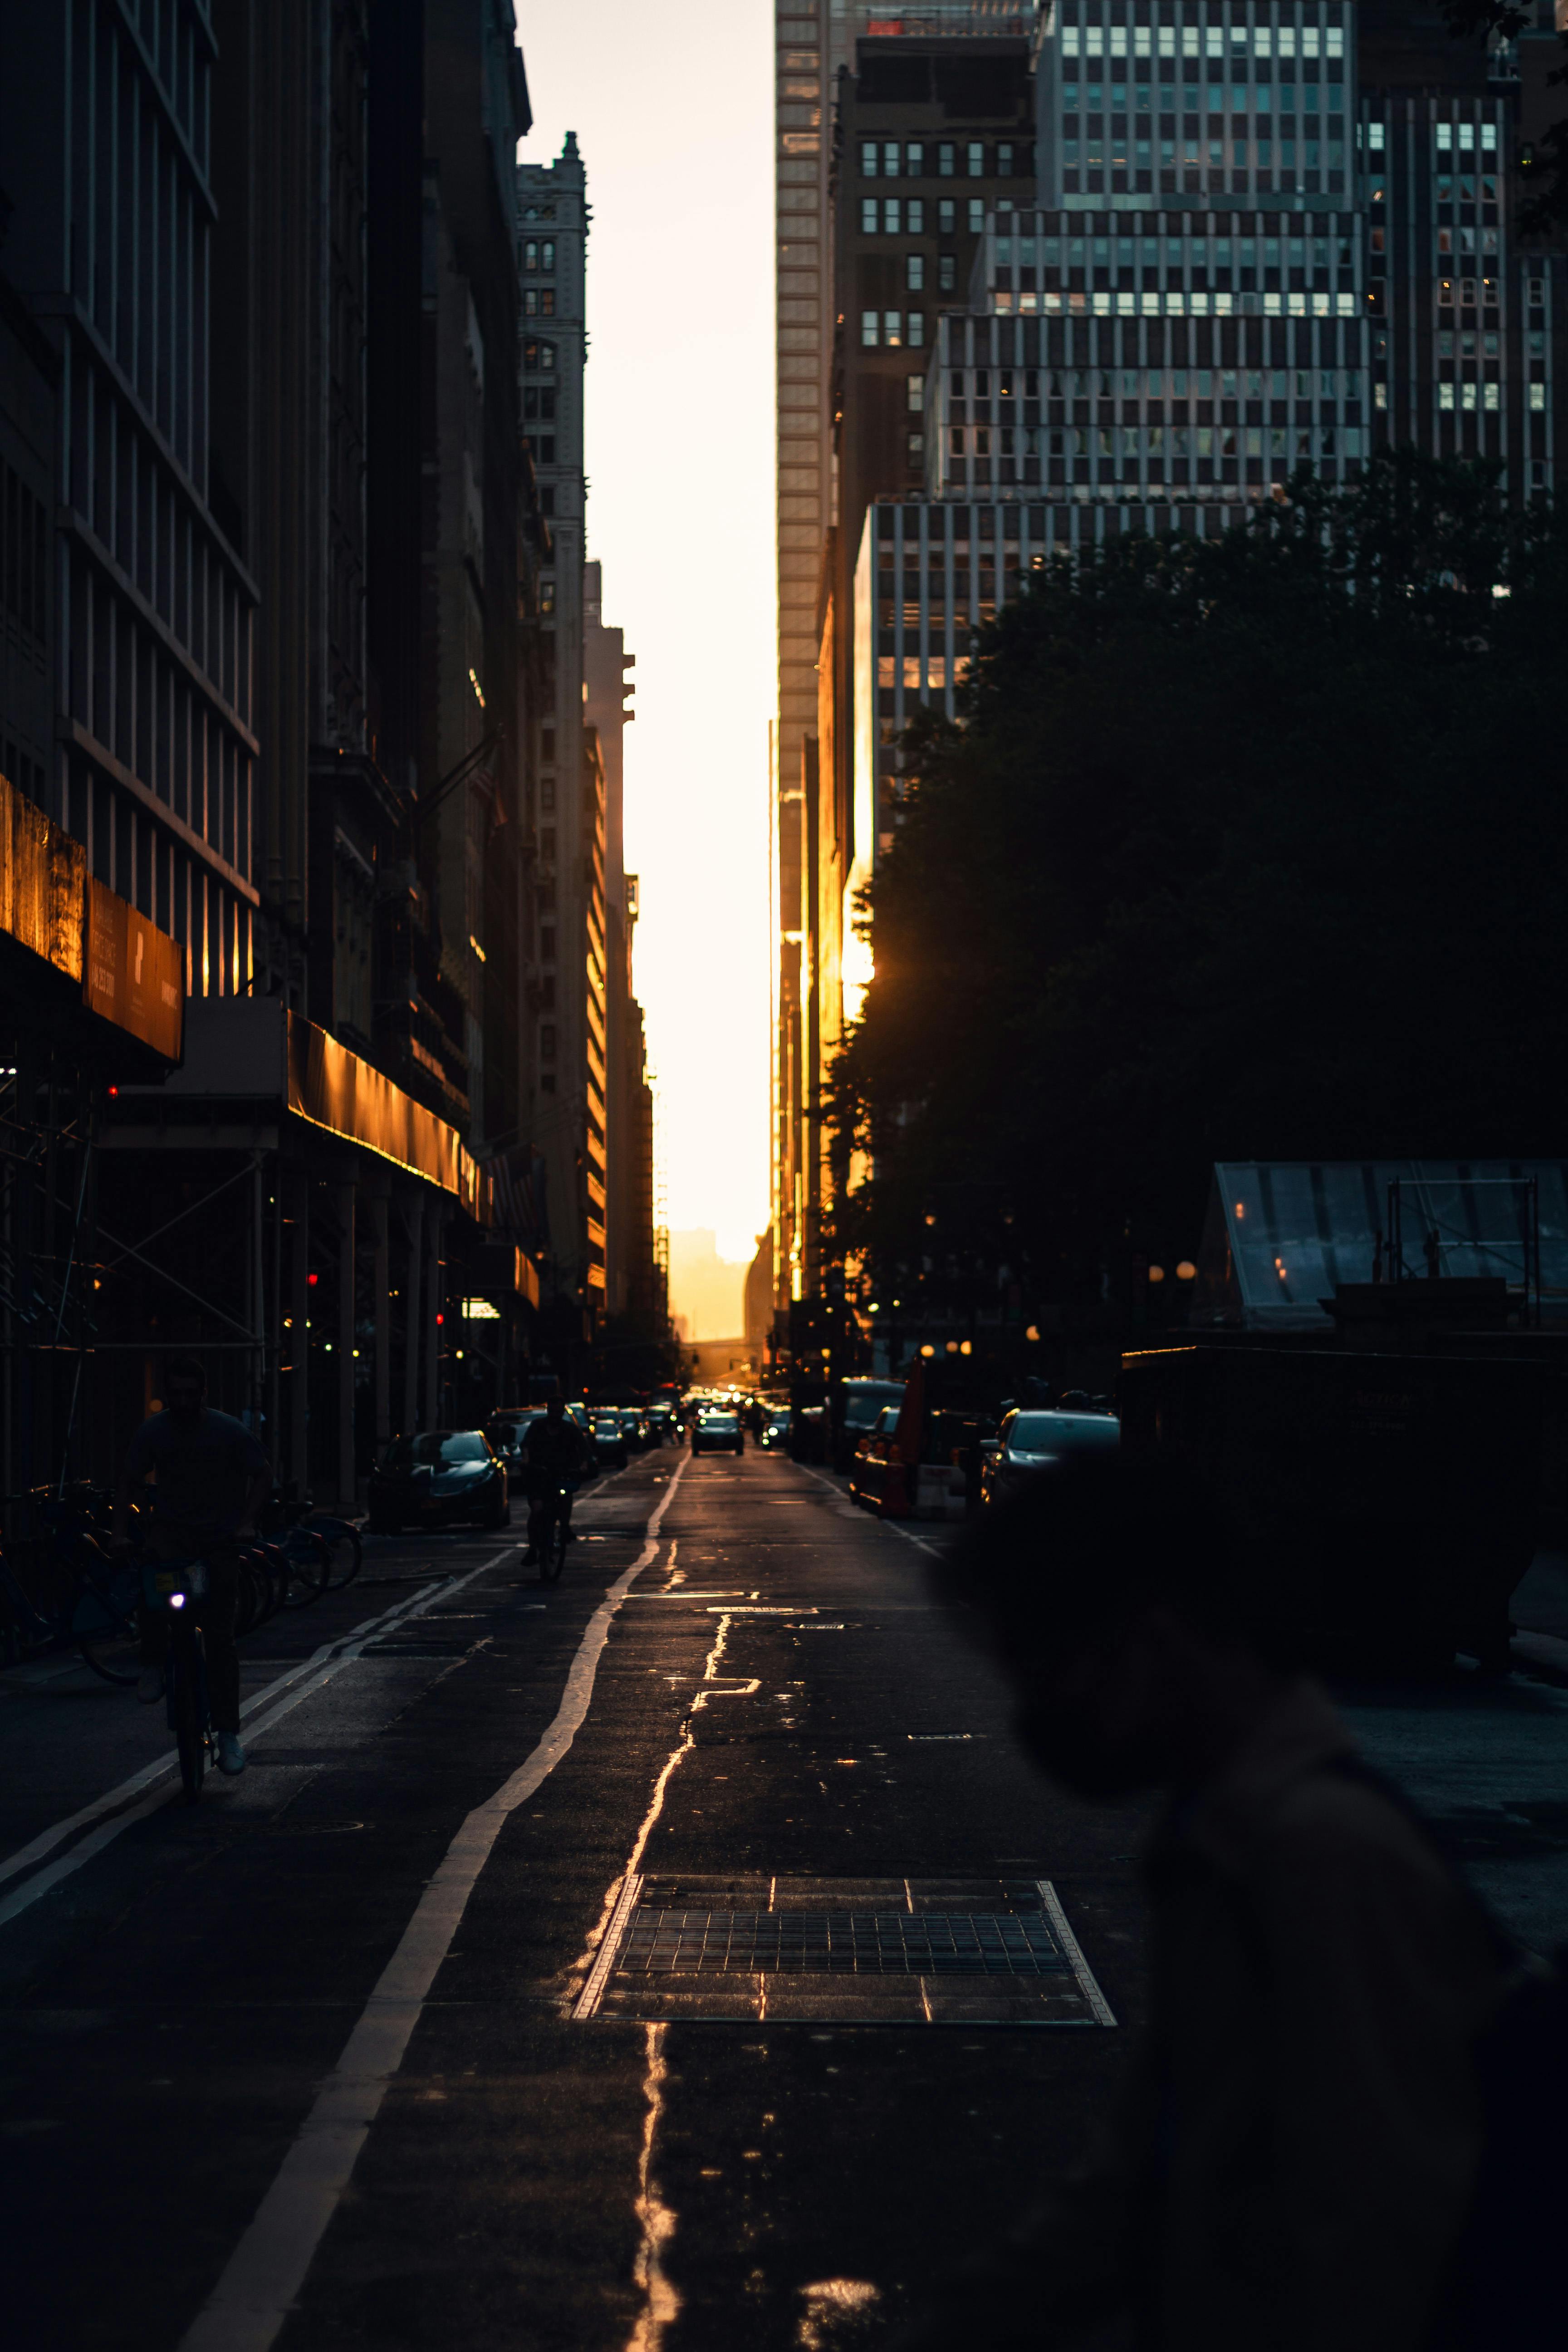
(1291, 2163)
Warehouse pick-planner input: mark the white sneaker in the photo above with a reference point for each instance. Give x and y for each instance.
(230, 1754)
(150, 1686)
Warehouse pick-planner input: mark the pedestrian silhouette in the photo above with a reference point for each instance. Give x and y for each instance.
(1292, 2159)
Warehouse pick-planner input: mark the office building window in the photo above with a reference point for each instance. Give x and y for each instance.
(917, 330)
(547, 254)
(917, 449)
(915, 272)
(869, 335)
(976, 160)
(946, 273)
(869, 216)
(947, 216)
(1005, 161)
(914, 159)
(977, 216)
(890, 158)
(531, 254)
(1538, 395)
(915, 216)
(893, 215)
(892, 329)
(539, 357)
(868, 159)
(915, 395)
(945, 164)
(1445, 396)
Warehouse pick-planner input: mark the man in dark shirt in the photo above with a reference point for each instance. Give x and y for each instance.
(1289, 2164)
(209, 1475)
(554, 1457)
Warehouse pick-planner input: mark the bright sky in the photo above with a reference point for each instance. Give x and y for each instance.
(672, 108)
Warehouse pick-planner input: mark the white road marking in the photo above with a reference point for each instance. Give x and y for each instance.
(891, 1525)
(299, 1683)
(267, 2269)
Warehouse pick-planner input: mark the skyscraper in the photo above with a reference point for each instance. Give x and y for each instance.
(1263, 235)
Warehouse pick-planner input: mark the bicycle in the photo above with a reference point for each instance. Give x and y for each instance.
(315, 1547)
(551, 1532)
(96, 1610)
(174, 1586)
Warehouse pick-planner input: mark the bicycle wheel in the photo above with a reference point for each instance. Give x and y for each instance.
(103, 1620)
(345, 1553)
(555, 1550)
(184, 1714)
(310, 1567)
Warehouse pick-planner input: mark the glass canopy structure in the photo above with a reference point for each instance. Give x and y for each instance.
(1281, 1235)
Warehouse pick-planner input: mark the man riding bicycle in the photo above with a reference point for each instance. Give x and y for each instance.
(554, 1458)
(209, 1475)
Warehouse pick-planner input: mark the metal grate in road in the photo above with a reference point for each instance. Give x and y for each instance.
(834, 1943)
(871, 1951)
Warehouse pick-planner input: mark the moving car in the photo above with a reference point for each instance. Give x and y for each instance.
(436, 1477)
(635, 1424)
(508, 1433)
(661, 1424)
(773, 1435)
(610, 1439)
(1028, 1443)
(719, 1433)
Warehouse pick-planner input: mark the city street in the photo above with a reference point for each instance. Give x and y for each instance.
(204, 2011)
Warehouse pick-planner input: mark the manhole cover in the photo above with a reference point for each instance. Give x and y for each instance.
(869, 1952)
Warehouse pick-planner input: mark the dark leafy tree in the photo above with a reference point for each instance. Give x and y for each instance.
(1543, 167)
(1242, 847)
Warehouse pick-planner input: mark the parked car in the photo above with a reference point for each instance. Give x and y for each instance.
(610, 1441)
(1028, 1443)
(773, 1435)
(868, 1467)
(436, 1477)
(719, 1433)
(862, 1401)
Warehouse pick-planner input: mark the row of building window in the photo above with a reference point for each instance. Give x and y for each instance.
(1114, 150)
(1257, 99)
(537, 256)
(1155, 384)
(1128, 443)
(539, 302)
(1178, 252)
(898, 216)
(1178, 302)
(538, 358)
(942, 159)
(892, 331)
(1210, 40)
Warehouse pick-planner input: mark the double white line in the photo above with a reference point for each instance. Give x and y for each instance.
(144, 1792)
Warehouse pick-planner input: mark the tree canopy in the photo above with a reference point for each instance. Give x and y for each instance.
(1241, 848)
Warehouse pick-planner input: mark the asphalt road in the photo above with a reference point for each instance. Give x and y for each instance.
(337, 2058)
(175, 2010)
